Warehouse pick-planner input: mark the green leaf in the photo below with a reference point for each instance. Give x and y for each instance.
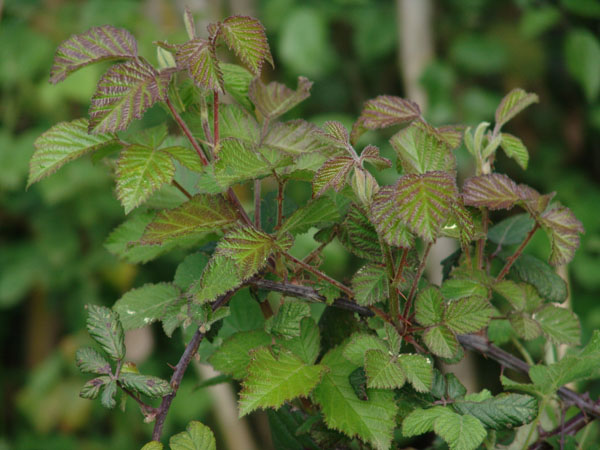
(422, 202)
(468, 315)
(306, 345)
(459, 288)
(234, 355)
(515, 149)
(372, 420)
(200, 214)
(502, 411)
(441, 341)
(582, 55)
(563, 230)
(150, 386)
(287, 425)
(420, 149)
(525, 326)
(61, 144)
(108, 395)
(97, 44)
(153, 445)
(145, 305)
(335, 134)
(359, 344)
(234, 122)
(237, 81)
(538, 273)
(418, 370)
(383, 371)
(516, 294)
(332, 174)
(295, 137)
(392, 338)
(246, 37)
(124, 93)
(286, 323)
(90, 361)
(359, 236)
(91, 388)
(248, 248)
(460, 432)
(200, 59)
(186, 157)
(371, 284)
(429, 307)
(512, 230)
(559, 324)
(317, 213)
(371, 155)
(104, 326)
(390, 226)
(190, 270)
(421, 421)
(140, 172)
(220, 276)
(494, 191)
(512, 104)
(196, 437)
(272, 381)
(274, 99)
(238, 163)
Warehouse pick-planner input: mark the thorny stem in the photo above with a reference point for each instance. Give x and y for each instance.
(321, 275)
(180, 368)
(511, 259)
(187, 132)
(401, 266)
(257, 204)
(481, 242)
(413, 288)
(147, 409)
(182, 189)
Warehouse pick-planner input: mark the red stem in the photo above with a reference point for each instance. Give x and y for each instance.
(215, 122)
(187, 132)
(511, 259)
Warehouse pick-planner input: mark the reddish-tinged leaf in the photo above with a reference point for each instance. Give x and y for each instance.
(246, 37)
(335, 134)
(512, 104)
(390, 226)
(200, 59)
(248, 248)
(275, 99)
(452, 134)
(494, 191)
(124, 93)
(421, 149)
(359, 236)
(97, 44)
(370, 154)
(294, 138)
(201, 213)
(421, 202)
(386, 110)
(563, 229)
(332, 174)
(533, 201)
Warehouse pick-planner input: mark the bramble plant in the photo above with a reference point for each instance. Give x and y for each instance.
(363, 373)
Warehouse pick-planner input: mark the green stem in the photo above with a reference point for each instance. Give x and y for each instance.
(511, 259)
(523, 351)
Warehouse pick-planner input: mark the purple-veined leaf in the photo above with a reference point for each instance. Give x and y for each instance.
(494, 191)
(200, 59)
(533, 201)
(294, 138)
(248, 248)
(124, 93)
(335, 134)
(421, 202)
(371, 284)
(512, 104)
(460, 224)
(275, 99)
(202, 213)
(371, 155)
(186, 157)
(141, 170)
(359, 236)
(515, 149)
(386, 110)
(421, 149)
(390, 226)
(97, 44)
(61, 144)
(246, 37)
(332, 174)
(563, 229)
(452, 134)
(364, 185)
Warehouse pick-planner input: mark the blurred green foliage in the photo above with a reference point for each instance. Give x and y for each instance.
(52, 259)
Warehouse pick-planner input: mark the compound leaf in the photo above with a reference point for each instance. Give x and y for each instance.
(370, 284)
(145, 305)
(460, 432)
(248, 248)
(418, 370)
(97, 44)
(372, 420)
(272, 381)
(441, 341)
(61, 144)
(234, 355)
(108, 394)
(382, 371)
(563, 229)
(106, 329)
(246, 37)
(91, 388)
(90, 361)
(429, 307)
(124, 93)
(512, 104)
(200, 214)
(559, 324)
(140, 172)
(359, 344)
(275, 99)
(332, 174)
(286, 323)
(200, 59)
(196, 437)
(150, 386)
(468, 315)
(515, 149)
(220, 276)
